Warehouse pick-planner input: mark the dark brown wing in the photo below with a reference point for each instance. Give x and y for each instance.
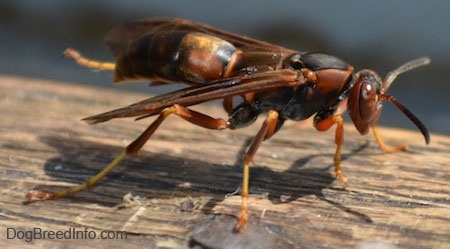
(119, 38)
(201, 93)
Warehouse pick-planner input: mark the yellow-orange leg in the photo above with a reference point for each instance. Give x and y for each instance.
(339, 140)
(383, 146)
(41, 195)
(324, 125)
(267, 130)
(79, 59)
(134, 147)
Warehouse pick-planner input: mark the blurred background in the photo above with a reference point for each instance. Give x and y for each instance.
(380, 35)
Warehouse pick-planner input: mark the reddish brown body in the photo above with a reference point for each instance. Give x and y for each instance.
(279, 82)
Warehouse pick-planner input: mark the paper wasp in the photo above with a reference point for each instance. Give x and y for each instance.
(281, 83)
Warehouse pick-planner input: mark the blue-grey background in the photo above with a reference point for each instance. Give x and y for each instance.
(379, 34)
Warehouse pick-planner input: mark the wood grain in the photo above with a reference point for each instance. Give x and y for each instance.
(180, 192)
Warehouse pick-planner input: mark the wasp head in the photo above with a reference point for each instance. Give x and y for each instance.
(368, 92)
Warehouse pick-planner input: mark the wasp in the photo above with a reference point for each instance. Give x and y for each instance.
(252, 77)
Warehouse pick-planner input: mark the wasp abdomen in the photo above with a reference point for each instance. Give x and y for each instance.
(190, 57)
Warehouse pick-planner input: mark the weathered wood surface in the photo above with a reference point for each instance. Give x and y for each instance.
(181, 187)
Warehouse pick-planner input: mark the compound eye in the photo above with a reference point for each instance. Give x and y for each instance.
(366, 91)
(368, 102)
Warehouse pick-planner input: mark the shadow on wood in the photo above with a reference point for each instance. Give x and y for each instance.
(186, 177)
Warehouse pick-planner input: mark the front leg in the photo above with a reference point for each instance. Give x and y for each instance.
(323, 123)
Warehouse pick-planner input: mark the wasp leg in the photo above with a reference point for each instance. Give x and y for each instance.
(191, 116)
(267, 130)
(41, 195)
(133, 148)
(228, 105)
(85, 62)
(383, 146)
(324, 125)
(228, 102)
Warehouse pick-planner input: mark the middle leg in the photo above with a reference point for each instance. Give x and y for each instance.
(267, 130)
